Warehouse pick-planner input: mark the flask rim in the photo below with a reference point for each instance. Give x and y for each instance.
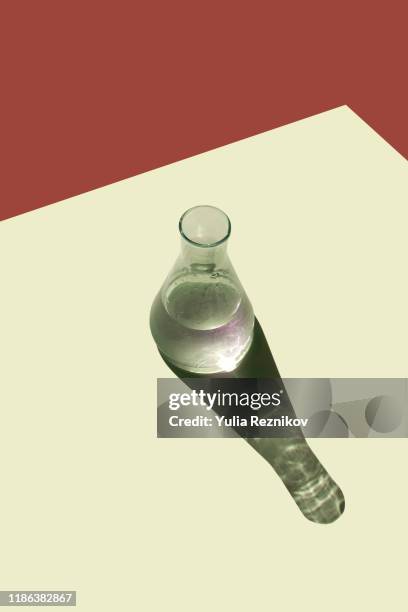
(200, 243)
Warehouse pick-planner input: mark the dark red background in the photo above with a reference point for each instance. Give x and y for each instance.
(94, 92)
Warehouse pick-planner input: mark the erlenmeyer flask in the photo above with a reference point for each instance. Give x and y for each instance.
(201, 319)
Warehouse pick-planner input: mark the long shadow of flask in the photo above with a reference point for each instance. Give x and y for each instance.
(317, 495)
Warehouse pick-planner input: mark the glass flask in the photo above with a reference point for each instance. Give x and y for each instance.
(202, 320)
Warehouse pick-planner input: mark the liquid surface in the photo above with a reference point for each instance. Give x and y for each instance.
(199, 304)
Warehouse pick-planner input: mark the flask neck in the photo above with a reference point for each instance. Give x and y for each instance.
(204, 234)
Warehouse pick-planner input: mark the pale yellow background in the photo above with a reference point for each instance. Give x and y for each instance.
(90, 499)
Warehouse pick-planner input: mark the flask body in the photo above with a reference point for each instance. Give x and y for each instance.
(201, 319)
